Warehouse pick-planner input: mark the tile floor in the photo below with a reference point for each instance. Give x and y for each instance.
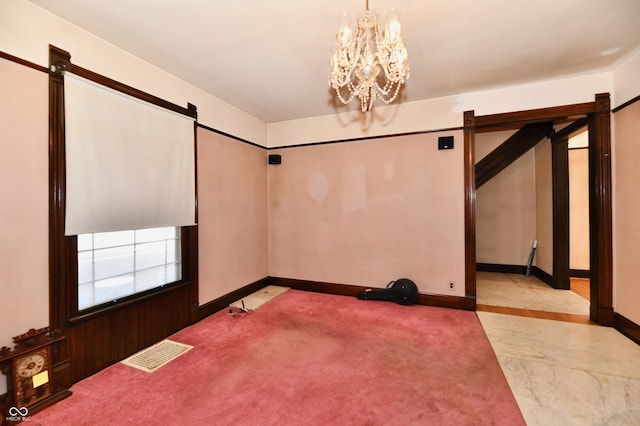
(561, 373)
(519, 291)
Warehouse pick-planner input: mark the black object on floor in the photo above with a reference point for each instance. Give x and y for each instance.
(402, 291)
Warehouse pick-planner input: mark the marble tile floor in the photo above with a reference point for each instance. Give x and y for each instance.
(564, 373)
(520, 291)
(561, 373)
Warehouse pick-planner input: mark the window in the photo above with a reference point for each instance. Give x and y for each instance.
(113, 265)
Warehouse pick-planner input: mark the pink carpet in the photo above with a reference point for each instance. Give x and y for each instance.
(309, 359)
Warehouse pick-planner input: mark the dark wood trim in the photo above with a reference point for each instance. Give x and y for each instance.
(367, 138)
(107, 334)
(542, 276)
(560, 209)
(532, 313)
(229, 135)
(223, 302)
(598, 115)
(574, 111)
(302, 145)
(128, 90)
(572, 129)
(502, 269)
(21, 61)
(626, 104)
(579, 273)
(125, 303)
(469, 122)
(600, 216)
(510, 150)
(60, 248)
(627, 327)
(189, 235)
(442, 301)
(115, 334)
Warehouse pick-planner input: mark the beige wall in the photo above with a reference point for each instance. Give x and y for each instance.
(24, 211)
(26, 31)
(24, 191)
(505, 207)
(626, 212)
(439, 113)
(368, 212)
(579, 209)
(544, 207)
(232, 212)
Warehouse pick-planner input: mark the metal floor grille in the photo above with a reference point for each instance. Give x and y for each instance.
(156, 356)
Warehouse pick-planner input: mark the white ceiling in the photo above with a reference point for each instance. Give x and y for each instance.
(271, 58)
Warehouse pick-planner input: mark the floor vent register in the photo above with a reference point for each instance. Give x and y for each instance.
(156, 356)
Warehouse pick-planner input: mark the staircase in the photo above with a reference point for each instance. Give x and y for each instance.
(510, 150)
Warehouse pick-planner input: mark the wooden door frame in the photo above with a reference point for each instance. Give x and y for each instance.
(560, 209)
(561, 212)
(598, 114)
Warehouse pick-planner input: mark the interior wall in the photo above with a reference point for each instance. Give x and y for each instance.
(439, 113)
(579, 209)
(505, 207)
(625, 174)
(24, 211)
(626, 84)
(27, 31)
(368, 212)
(232, 212)
(626, 211)
(544, 206)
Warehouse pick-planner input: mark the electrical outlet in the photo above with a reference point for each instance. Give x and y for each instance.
(452, 286)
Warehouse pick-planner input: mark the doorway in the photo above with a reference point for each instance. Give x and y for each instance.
(596, 116)
(533, 200)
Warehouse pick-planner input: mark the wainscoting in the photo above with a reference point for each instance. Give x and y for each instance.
(104, 339)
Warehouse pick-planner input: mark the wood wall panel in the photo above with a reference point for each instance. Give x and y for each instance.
(102, 340)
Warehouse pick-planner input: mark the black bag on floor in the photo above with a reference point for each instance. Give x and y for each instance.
(402, 291)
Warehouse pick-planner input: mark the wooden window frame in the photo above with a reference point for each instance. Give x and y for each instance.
(63, 270)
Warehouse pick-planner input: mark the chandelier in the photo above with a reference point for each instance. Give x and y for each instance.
(368, 63)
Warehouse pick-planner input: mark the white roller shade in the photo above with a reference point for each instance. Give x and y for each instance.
(130, 164)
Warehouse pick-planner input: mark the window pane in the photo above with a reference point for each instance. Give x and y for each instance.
(85, 267)
(151, 278)
(172, 232)
(85, 242)
(172, 251)
(85, 296)
(154, 234)
(112, 239)
(114, 261)
(113, 265)
(113, 288)
(149, 255)
(174, 272)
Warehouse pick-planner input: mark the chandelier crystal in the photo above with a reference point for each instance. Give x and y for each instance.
(369, 63)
